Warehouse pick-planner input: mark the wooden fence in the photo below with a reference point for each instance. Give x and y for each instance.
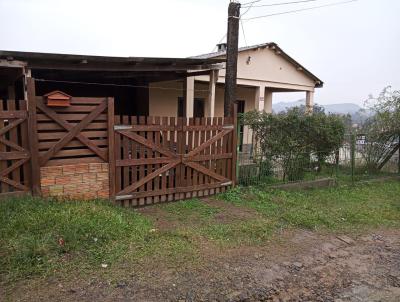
(159, 159)
(150, 159)
(14, 151)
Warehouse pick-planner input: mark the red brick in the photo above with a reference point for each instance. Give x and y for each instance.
(82, 168)
(68, 170)
(46, 181)
(64, 180)
(56, 190)
(89, 196)
(104, 194)
(104, 167)
(102, 176)
(95, 167)
(45, 191)
(50, 171)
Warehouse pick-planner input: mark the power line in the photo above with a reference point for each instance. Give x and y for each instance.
(299, 10)
(248, 8)
(119, 85)
(247, 3)
(241, 15)
(244, 35)
(283, 3)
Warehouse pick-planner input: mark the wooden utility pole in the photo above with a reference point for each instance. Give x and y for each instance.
(231, 56)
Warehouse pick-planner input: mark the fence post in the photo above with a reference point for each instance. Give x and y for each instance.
(398, 158)
(235, 145)
(33, 137)
(337, 157)
(111, 148)
(352, 155)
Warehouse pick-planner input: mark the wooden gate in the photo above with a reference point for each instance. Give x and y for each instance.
(15, 173)
(164, 159)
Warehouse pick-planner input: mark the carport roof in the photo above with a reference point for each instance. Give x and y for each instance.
(37, 60)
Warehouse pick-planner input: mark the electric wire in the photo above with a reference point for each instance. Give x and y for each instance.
(119, 85)
(282, 3)
(244, 35)
(299, 10)
(247, 3)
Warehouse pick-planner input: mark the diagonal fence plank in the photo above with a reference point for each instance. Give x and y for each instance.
(209, 142)
(149, 177)
(149, 144)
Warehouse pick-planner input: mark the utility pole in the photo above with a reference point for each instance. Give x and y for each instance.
(231, 56)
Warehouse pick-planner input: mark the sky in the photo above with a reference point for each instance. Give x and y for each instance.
(354, 48)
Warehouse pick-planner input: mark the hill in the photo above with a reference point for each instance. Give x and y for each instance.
(339, 108)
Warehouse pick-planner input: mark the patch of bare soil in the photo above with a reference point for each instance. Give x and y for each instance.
(161, 219)
(297, 266)
(229, 212)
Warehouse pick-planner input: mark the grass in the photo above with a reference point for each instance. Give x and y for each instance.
(336, 209)
(190, 209)
(45, 237)
(94, 233)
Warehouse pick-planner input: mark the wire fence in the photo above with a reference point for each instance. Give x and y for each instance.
(356, 159)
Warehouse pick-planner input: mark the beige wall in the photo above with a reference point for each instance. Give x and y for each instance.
(269, 69)
(164, 102)
(266, 65)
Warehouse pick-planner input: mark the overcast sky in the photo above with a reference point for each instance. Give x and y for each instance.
(354, 48)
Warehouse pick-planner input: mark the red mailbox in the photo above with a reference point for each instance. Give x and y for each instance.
(58, 99)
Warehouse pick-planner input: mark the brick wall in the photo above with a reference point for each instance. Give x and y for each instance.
(80, 181)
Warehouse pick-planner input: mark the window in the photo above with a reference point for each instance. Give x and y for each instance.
(198, 107)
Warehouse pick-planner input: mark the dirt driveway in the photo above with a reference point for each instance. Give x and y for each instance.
(299, 266)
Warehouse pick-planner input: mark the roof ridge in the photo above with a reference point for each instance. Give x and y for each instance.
(221, 53)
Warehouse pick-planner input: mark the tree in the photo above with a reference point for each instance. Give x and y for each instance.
(382, 129)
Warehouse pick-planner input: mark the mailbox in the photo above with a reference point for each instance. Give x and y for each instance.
(58, 99)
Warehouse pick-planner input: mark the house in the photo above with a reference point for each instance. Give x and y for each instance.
(92, 126)
(263, 70)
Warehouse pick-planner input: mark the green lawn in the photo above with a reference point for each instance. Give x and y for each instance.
(43, 237)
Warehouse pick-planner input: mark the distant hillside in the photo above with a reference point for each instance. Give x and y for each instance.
(340, 108)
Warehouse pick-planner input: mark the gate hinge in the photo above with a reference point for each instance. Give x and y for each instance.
(228, 183)
(122, 127)
(123, 197)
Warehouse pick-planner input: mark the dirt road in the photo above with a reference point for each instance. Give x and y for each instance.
(300, 266)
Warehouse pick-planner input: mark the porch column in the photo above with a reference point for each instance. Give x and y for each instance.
(189, 95)
(268, 102)
(210, 105)
(259, 98)
(309, 101)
